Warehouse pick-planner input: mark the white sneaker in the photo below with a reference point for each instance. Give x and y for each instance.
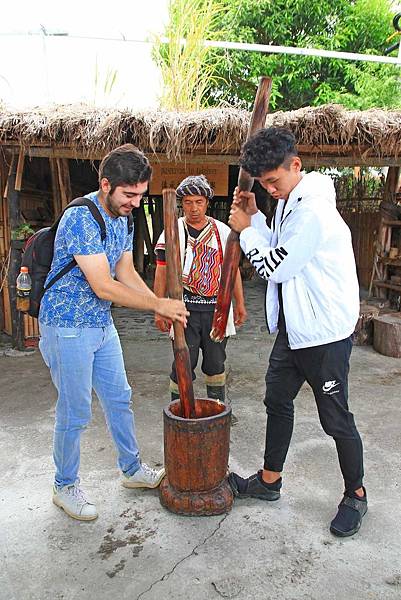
(74, 502)
(144, 477)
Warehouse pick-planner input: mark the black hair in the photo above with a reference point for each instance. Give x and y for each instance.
(125, 165)
(267, 150)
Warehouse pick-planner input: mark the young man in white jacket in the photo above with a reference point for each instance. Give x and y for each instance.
(312, 300)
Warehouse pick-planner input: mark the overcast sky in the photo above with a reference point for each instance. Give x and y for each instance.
(36, 68)
(110, 17)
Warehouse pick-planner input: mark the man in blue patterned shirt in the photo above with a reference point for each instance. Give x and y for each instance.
(79, 342)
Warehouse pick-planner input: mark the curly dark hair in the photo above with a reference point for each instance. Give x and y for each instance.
(267, 150)
(125, 165)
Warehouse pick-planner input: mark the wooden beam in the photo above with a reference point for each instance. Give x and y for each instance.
(15, 260)
(350, 161)
(20, 170)
(310, 158)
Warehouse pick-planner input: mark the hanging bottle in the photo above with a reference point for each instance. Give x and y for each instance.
(24, 285)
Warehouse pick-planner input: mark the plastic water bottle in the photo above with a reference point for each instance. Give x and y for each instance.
(24, 285)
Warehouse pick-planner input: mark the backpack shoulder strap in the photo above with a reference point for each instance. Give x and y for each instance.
(95, 212)
(60, 274)
(130, 223)
(98, 218)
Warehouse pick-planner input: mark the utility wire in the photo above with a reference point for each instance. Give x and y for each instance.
(264, 48)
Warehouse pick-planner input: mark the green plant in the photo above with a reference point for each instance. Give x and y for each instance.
(188, 73)
(22, 232)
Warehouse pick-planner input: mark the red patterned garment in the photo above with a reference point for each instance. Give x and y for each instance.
(203, 261)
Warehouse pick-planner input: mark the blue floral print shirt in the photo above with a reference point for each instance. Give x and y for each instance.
(71, 302)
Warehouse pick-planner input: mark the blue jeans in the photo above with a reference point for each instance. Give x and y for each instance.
(80, 359)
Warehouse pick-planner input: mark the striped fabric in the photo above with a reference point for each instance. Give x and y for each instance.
(195, 185)
(203, 260)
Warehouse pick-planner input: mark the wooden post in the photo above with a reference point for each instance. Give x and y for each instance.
(64, 181)
(139, 241)
(233, 251)
(20, 170)
(151, 212)
(15, 259)
(55, 188)
(157, 223)
(174, 289)
(4, 237)
(384, 235)
(391, 185)
(141, 238)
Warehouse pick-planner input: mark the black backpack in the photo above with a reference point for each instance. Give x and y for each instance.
(39, 249)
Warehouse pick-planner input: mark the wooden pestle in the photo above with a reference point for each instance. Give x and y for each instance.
(174, 289)
(233, 250)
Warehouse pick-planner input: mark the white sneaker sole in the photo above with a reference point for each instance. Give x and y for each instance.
(134, 485)
(71, 514)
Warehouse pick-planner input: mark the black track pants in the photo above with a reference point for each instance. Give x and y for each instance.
(325, 368)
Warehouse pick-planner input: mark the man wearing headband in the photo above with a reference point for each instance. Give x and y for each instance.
(202, 243)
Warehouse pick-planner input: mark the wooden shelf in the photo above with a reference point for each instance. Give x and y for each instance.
(387, 285)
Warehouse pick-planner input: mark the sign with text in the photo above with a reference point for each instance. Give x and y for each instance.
(169, 175)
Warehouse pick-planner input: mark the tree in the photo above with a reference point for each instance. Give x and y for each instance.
(345, 25)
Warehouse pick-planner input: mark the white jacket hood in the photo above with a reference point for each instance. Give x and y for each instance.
(319, 182)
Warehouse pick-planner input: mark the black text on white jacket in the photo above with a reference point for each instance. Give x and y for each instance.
(309, 250)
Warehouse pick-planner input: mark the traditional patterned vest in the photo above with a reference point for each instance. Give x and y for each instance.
(203, 261)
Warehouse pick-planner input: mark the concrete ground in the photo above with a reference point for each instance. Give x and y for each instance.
(138, 550)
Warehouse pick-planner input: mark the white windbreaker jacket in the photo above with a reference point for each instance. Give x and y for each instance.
(309, 250)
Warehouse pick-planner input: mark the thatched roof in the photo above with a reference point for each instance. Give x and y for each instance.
(89, 131)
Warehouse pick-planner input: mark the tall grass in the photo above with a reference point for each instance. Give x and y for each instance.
(104, 83)
(188, 69)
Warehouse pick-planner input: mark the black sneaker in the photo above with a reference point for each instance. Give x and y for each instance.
(349, 516)
(254, 487)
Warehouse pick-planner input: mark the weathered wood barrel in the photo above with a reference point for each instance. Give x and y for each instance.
(196, 460)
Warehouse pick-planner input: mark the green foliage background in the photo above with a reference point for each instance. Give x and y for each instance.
(360, 26)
